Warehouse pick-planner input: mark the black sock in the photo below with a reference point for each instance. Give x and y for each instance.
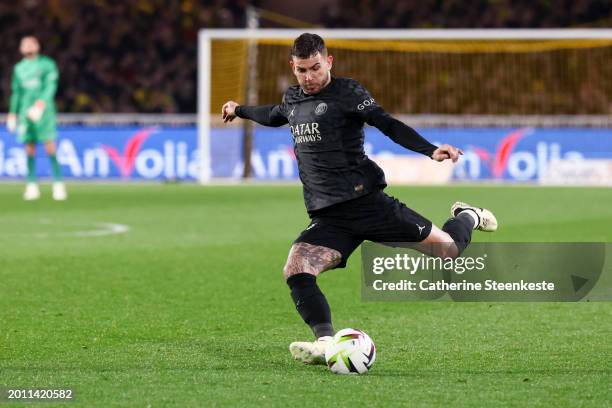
(311, 303)
(460, 229)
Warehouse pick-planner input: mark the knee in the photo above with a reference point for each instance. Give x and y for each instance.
(50, 148)
(312, 259)
(439, 244)
(446, 250)
(289, 270)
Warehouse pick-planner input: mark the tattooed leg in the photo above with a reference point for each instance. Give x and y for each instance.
(304, 263)
(312, 259)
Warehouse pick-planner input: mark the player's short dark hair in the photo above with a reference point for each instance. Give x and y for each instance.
(307, 45)
(30, 35)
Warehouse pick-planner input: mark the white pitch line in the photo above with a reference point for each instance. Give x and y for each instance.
(100, 229)
(105, 228)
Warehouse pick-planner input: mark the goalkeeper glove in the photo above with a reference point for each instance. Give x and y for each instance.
(36, 111)
(11, 122)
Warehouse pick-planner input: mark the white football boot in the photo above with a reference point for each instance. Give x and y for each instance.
(32, 192)
(486, 220)
(310, 352)
(59, 191)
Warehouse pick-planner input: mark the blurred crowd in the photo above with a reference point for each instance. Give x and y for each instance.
(141, 55)
(114, 55)
(467, 14)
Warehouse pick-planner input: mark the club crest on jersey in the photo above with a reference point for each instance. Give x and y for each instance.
(321, 109)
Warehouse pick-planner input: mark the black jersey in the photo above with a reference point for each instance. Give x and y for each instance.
(328, 138)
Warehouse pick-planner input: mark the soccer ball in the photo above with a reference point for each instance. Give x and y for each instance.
(351, 351)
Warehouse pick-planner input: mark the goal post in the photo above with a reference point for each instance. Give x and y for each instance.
(445, 75)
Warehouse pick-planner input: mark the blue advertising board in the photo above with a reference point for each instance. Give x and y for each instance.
(171, 153)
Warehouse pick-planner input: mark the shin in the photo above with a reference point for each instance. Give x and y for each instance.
(304, 263)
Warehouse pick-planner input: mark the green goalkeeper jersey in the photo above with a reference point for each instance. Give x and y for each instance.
(34, 79)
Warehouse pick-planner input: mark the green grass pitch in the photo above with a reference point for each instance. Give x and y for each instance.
(189, 308)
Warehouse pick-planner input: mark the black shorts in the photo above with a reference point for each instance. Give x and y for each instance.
(375, 217)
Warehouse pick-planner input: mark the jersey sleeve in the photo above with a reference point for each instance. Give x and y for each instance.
(15, 93)
(359, 100)
(49, 82)
(373, 114)
(267, 115)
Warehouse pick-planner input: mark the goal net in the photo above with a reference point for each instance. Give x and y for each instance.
(448, 77)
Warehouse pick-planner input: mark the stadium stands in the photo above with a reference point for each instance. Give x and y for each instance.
(140, 56)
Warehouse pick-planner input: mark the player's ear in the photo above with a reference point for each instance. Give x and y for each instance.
(330, 60)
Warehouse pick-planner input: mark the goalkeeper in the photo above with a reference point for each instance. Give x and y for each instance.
(343, 188)
(32, 112)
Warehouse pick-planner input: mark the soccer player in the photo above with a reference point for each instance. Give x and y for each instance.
(32, 112)
(343, 188)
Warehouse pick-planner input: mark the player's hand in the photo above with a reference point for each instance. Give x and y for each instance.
(447, 151)
(228, 112)
(11, 122)
(36, 111)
